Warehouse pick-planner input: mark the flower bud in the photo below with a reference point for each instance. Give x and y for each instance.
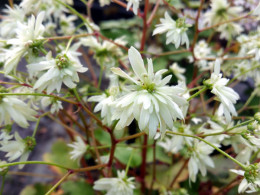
(30, 143)
(257, 117)
(251, 126)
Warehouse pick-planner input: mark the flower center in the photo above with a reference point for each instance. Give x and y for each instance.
(180, 23)
(62, 61)
(251, 173)
(30, 143)
(149, 87)
(221, 12)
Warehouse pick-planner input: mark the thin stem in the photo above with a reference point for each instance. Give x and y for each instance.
(99, 122)
(226, 59)
(154, 165)
(196, 35)
(225, 22)
(59, 182)
(129, 162)
(254, 156)
(238, 125)
(172, 52)
(111, 41)
(73, 120)
(213, 146)
(143, 165)
(251, 97)
(18, 79)
(179, 173)
(89, 65)
(33, 162)
(244, 72)
(131, 137)
(69, 37)
(69, 129)
(112, 154)
(69, 43)
(197, 93)
(100, 76)
(89, 168)
(3, 184)
(195, 88)
(37, 123)
(43, 50)
(146, 8)
(149, 21)
(40, 94)
(75, 12)
(54, 164)
(30, 174)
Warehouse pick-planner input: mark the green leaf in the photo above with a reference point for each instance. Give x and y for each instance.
(165, 175)
(123, 154)
(102, 136)
(76, 188)
(60, 154)
(160, 63)
(36, 189)
(160, 155)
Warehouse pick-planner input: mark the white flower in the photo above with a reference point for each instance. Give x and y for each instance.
(202, 50)
(200, 159)
(16, 149)
(105, 105)
(256, 11)
(79, 149)
(5, 136)
(135, 4)
(116, 186)
(227, 95)
(178, 71)
(220, 12)
(215, 128)
(55, 104)
(27, 34)
(9, 24)
(175, 143)
(227, 31)
(54, 72)
(106, 53)
(67, 26)
(176, 31)
(251, 180)
(254, 49)
(52, 8)
(13, 108)
(151, 102)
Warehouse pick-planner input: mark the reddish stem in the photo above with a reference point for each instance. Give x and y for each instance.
(143, 166)
(146, 8)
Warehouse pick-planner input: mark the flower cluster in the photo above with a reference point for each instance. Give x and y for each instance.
(115, 88)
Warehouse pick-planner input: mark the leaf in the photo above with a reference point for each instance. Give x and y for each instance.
(76, 188)
(160, 63)
(123, 154)
(220, 173)
(36, 189)
(60, 155)
(102, 136)
(160, 155)
(165, 175)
